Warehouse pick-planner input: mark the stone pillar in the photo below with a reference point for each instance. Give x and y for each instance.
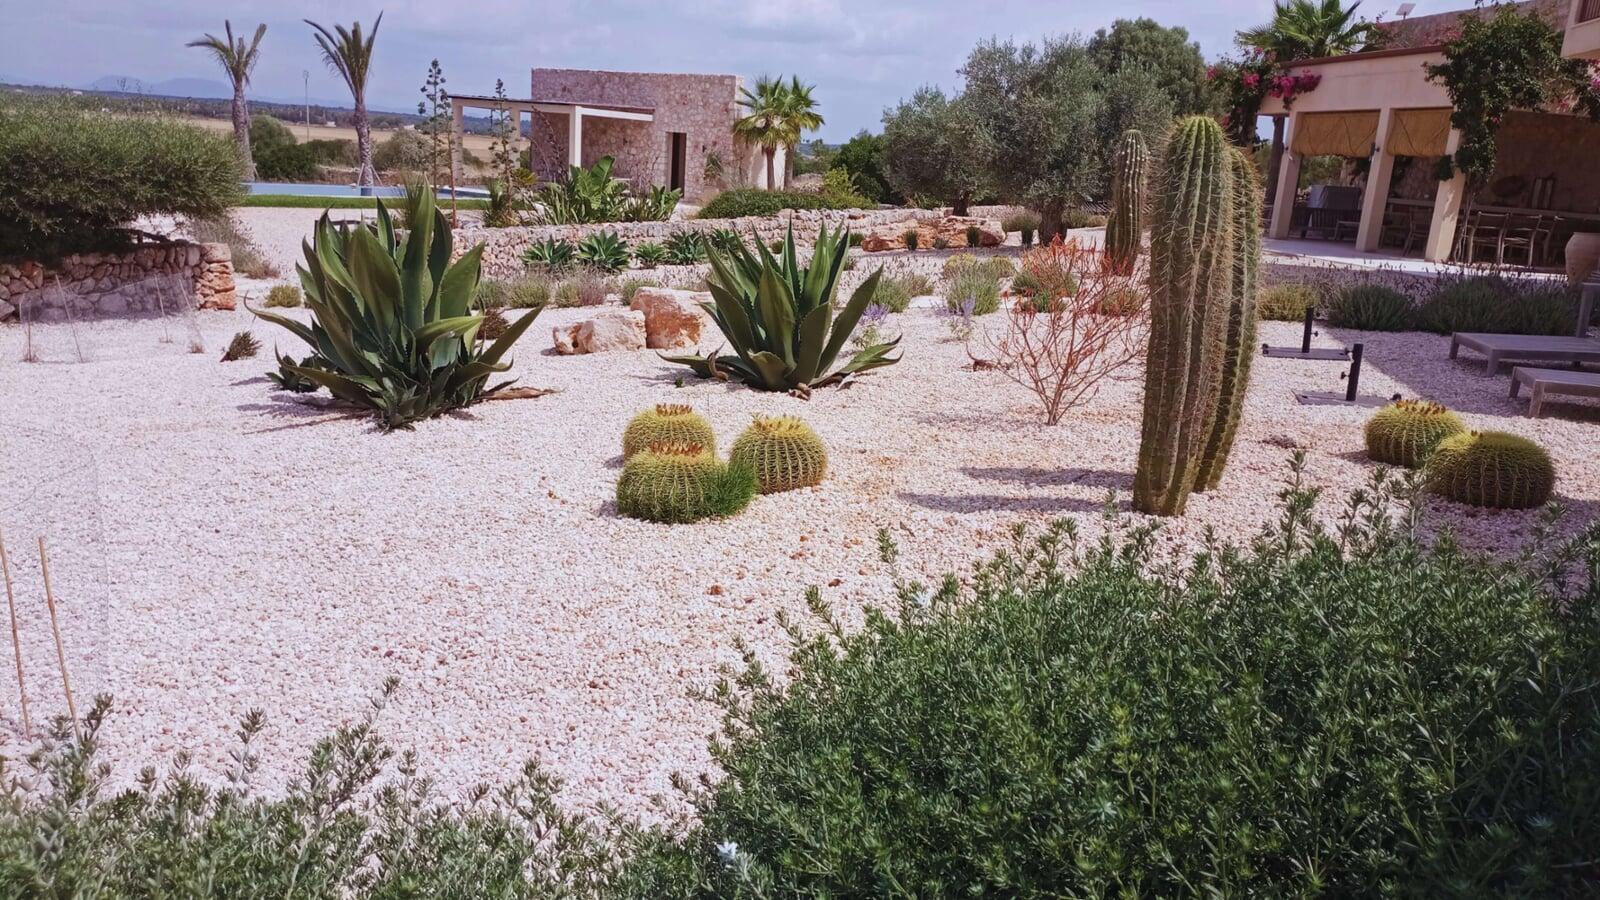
(1446, 209)
(457, 127)
(575, 136)
(1288, 187)
(1376, 199)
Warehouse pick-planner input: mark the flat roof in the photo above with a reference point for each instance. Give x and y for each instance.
(489, 100)
(1365, 54)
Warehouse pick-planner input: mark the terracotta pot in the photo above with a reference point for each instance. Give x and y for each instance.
(1583, 257)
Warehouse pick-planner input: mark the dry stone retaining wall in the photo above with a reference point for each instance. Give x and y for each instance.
(111, 284)
(503, 247)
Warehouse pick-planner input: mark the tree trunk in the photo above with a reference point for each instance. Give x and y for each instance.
(241, 132)
(366, 176)
(769, 153)
(958, 207)
(788, 167)
(1276, 158)
(1050, 213)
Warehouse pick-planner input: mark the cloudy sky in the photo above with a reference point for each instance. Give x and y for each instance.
(861, 55)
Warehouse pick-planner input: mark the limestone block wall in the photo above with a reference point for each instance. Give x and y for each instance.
(702, 107)
(111, 284)
(503, 247)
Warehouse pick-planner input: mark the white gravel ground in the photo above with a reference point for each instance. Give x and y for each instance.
(258, 552)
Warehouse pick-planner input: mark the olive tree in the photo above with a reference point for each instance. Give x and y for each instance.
(938, 148)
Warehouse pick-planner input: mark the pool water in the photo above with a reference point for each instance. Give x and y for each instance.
(348, 190)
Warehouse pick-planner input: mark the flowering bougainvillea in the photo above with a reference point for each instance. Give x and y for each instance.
(1246, 82)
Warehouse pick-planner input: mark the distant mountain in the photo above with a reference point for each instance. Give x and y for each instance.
(172, 87)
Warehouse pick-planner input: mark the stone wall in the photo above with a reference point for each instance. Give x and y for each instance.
(503, 247)
(111, 284)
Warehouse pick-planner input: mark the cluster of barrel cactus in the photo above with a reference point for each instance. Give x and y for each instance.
(667, 423)
(1405, 432)
(1492, 469)
(682, 482)
(1125, 222)
(671, 472)
(1204, 257)
(784, 453)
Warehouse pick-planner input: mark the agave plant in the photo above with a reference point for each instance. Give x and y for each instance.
(649, 255)
(685, 248)
(778, 316)
(604, 252)
(656, 206)
(586, 196)
(553, 254)
(393, 328)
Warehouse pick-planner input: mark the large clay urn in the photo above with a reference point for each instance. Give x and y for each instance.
(1583, 257)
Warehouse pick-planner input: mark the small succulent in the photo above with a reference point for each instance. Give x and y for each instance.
(941, 243)
(288, 377)
(684, 248)
(667, 423)
(784, 453)
(243, 346)
(649, 255)
(1405, 432)
(603, 251)
(494, 325)
(551, 254)
(678, 483)
(974, 236)
(1491, 469)
(911, 238)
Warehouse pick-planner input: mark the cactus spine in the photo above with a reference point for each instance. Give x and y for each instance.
(1240, 348)
(783, 452)
(1404, 433)
(1125, 225)
(1492, 469)
(1191, 281)
(667, 423)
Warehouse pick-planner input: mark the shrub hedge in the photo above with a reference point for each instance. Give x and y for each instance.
(74, 179)
(753, 202)
(1349, 711)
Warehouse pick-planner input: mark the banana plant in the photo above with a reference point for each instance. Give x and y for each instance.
(393, 326)
(778, 316)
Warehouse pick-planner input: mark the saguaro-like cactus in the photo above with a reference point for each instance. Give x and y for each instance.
(1240, 348)
(1191, 280)
(1125, 224)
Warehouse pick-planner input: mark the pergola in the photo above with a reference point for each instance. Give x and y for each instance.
(575, 113)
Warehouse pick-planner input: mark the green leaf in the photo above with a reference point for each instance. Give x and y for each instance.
(849, 318)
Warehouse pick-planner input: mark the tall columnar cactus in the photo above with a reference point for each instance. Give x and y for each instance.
(1405, 432)
(783, 452)
(1125, 224)
(1191, 280)
(667, 423)
(1240, 348)
(1492, 469)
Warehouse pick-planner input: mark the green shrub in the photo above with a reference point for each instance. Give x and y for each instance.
(857, 238)
(1492, 469)
(247, 257)
(1122, 300)
(1370, 307)
(282, 296)
(1082, 218)
(895, 292)
(603, 251)
(1500, 304)
(528, 292)
(332, 151)
(593, 195)
(941, 243)
(1025, 284)
(1352, 714)
(680, 483)
(839, 189)
(743, 202)
(289, 162)
(402, 151)
(975, 283)
(631, 286)
(1023, 222)
(995, 266)
(74, 180)
(1285, 302)
(974, 236)
(551, 254)
(393, 328)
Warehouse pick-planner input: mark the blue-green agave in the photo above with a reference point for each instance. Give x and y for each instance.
(393, 326)
(778, 316)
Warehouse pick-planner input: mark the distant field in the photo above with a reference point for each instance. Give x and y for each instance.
(481, 145)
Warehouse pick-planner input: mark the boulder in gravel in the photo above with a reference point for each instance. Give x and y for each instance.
(673, 319)
(602, 333)
(952, 228)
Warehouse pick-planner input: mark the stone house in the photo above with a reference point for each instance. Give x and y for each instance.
(662, 129)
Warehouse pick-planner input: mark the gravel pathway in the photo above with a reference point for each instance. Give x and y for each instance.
(231, 548)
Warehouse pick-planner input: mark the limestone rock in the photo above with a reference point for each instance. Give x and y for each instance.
(952, 228)
(603, 333)
(6, 310)
(673, 319)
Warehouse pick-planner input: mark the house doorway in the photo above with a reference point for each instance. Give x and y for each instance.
(677, 159)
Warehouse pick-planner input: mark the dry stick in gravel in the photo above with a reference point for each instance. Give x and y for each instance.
(55, 626)
(16, 642)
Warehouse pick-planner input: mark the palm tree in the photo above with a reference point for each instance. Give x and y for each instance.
(349, 55)
(237, 58)
(800, 111)
(765, 122)
(1310, 29)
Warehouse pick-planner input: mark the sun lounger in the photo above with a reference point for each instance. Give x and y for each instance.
(1498, 348)
(1542, 383)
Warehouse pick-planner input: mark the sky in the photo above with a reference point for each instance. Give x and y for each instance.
(862, 56)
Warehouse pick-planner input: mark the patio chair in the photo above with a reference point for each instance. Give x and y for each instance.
(1521, 235)
(1484, 232)
(1542, 383)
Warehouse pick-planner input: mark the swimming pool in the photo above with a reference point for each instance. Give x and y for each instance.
(294, 189)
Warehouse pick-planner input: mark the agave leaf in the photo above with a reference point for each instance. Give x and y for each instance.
(734, 321)
(699, 365)
(297, 328)
(385, 232)
(376, 279)
(791, 267)
(438, 261)
(463, 326)
(455, 289)
(777, 315)
(848, 318)
(813, 337)
(771, 369)
(819, 277)
(353, 389)
(496, 350)
(416, 287)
